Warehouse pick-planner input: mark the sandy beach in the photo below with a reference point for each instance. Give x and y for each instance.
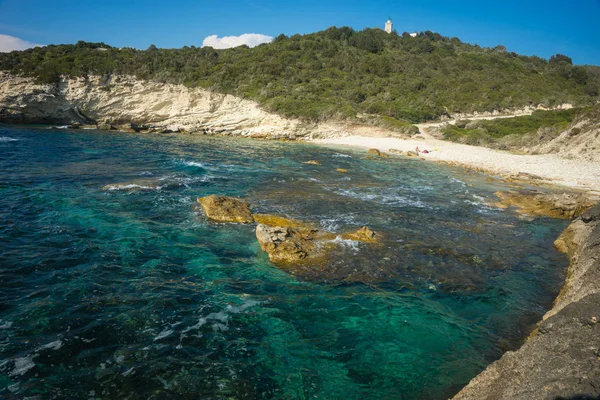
(576, 174)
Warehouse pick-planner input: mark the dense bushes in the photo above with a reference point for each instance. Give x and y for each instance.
(489, 131)
(338, 73)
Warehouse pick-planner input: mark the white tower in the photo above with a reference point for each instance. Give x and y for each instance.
(389, 25)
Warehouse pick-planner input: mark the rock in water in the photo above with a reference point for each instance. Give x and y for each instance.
(285, 245)
(312, 162)
(226, 209)
(554, 205)
(374, 151)
(364, 234)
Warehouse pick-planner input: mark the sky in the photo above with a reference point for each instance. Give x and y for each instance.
(541, 28)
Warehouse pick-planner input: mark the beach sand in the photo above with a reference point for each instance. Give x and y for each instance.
(575, 174)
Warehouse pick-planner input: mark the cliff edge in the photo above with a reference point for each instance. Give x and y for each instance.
(561, 359)
(118, 101)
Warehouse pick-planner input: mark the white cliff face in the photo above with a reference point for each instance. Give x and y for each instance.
(123, 99)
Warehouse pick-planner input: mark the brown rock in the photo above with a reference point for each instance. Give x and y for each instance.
(396, 152)
(285, 245)
(276, 220)
(374, 151)
(364, 234)
(554, 205)
(312, 162)
(226, 209)
(342, 170)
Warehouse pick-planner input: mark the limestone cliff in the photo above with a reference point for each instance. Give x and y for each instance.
(561, 359)
(118, 100)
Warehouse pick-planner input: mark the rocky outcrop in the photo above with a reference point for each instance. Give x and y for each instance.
(300, 248)
(226, 209)
(561, 359)
(553, 205)
(580, 140)
(133, 105)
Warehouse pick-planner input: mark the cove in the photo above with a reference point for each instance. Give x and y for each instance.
(114, 285)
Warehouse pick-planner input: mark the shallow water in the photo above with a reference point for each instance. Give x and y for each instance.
(113, 285)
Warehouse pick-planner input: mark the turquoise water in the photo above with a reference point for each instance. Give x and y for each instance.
(127, 291)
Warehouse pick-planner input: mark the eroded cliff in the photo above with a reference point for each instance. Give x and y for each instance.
(119, 100)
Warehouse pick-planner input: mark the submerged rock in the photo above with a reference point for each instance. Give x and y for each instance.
(553, 205)
(312, 162)
(226, 209)
(364, 234)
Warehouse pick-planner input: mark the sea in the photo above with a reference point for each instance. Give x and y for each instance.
(114, 285)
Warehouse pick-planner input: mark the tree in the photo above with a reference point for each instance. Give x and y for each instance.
(560, 59)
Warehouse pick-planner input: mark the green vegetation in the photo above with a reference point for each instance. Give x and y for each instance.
(487, 132)
(338, 73)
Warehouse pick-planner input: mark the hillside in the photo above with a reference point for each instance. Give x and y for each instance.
(337, 73)
(573, 133)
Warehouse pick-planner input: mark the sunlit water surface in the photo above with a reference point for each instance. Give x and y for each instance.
(131, 293)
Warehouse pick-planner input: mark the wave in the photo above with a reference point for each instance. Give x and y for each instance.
(8, 139)
(340, 155)
(193, 164)
(165, 182)
(385, 198)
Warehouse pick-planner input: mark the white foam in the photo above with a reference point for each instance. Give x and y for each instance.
(57, 344)
(387, 199)
(352, 244)
(8, 139)
(129, 371)
(194, 164)
(463, 184)
(164, 334)
(129, 187)
(220, 318)
(342, 155)
(5, 324)
(22, 365)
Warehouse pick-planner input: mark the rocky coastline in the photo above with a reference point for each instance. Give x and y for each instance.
(128, 104)
(561, 358)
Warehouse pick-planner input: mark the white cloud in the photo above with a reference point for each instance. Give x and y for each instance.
(226, 42)
(10, 43)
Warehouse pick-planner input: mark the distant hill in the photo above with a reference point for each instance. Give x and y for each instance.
(338, 73)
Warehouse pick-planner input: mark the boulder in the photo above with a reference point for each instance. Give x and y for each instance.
(364, 234)
(342, 170)
(226, 209)
(104, 126)
(374, 152)
(285, 245)
(554, 205)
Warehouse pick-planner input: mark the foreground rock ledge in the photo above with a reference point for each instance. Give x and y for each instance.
(561, 359)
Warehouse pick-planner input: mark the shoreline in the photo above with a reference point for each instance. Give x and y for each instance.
(571, 174)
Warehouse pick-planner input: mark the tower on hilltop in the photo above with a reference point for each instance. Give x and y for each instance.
(389, 25)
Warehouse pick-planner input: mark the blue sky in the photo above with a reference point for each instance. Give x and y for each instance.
(542, 28)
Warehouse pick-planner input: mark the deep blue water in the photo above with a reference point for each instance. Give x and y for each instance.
(127, 291)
